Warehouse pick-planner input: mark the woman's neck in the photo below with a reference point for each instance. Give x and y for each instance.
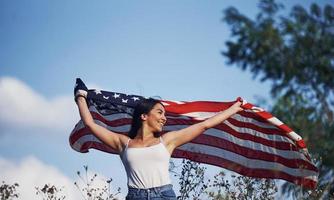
(144, 134)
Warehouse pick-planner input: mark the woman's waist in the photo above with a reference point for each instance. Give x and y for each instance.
(156, 189)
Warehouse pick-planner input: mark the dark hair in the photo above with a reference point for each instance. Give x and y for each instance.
(143, 107)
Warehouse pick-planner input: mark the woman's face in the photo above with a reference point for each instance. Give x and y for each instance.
(156, 118)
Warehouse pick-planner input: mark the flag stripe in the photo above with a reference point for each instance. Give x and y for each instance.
(253, 131)
(250, 150)
(252, 142)
(276, 142)
(306, 179)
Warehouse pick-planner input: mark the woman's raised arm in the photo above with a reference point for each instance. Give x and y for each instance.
(112, 139)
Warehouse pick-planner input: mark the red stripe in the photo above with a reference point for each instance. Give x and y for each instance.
(246, 152)
(265, 115)
(172, 121)
(221, 162)
(254, 116)
(269, 131)
(252, 172)
(285, 128)
(250, 153)
(96, 145)
(245, 136)
(82, 132)
(198, 106)
(221, 127)
(113, 123)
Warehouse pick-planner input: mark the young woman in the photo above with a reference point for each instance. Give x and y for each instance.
(144, 153)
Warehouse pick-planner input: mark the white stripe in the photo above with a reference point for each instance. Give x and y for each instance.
(206, 115)
(257, 109)
(213, 151)
(177, 117)
(294, 136)
(226, 136)
(250, 163)
(177, 102)
(212, 131)
(200, 115)
(86, 138)
(272, 137)
(275, 121)
(124, 128)
(217, 133)
(112, 116)
(241, 118)
(254, 145)
(197, 115)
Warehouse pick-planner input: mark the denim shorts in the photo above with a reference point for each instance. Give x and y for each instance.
(164, 192)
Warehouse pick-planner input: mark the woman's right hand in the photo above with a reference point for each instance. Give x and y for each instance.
(80, 89)
(236, 107)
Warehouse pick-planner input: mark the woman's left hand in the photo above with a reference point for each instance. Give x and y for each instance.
(236, 107)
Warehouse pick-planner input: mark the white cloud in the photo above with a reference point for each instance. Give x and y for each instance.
(21, 106)
(31, 172)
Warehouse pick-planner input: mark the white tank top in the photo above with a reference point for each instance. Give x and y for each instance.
(146, 167)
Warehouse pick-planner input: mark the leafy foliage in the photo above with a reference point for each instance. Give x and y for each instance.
(296, 53)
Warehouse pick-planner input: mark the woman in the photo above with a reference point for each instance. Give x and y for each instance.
(144, 153)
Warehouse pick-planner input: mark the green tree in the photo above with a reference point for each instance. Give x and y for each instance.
(295, 53)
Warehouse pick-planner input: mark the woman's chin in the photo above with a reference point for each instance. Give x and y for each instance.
(159, 129)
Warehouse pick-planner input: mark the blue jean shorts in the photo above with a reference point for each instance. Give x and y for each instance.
(164, 192)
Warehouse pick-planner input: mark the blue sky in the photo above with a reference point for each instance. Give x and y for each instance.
(170, 49)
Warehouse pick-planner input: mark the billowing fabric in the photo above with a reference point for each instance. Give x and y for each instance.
(252, 142)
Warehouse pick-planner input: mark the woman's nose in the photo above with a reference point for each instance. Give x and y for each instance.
(164, 118)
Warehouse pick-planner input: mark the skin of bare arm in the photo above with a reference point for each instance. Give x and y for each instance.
(114, 140)
(175, 139)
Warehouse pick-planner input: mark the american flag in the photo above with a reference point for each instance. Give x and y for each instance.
(252, 142)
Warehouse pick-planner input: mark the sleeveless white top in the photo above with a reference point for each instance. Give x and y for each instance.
(146, 167)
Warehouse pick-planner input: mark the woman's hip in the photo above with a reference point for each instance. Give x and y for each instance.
(165, 192)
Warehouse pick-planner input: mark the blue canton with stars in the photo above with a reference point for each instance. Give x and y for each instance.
(111, 102)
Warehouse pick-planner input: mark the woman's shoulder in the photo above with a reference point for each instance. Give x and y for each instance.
(123, 141)
(124, 138)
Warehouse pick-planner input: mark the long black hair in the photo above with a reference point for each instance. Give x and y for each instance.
(143, 107)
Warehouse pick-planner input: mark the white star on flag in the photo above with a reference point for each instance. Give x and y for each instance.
(116, 95)
(97, 92)
(135, 98)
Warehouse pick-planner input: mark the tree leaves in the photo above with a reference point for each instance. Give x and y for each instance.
(295, 53)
